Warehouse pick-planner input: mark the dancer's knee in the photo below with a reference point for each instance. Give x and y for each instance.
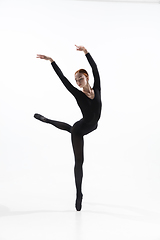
(78, 163)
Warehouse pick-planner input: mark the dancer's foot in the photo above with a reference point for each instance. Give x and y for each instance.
(79, 202)
(40, 117)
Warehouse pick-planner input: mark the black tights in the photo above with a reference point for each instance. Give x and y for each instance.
(78, 130)
(77, 143)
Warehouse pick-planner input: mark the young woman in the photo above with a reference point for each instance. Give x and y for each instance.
(89, 101)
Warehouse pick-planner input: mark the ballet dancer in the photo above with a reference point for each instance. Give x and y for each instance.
(89, 101)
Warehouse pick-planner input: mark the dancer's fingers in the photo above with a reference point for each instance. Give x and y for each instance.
(42, 57)
(77, 47)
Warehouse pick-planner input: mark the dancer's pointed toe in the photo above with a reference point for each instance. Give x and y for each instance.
(39, 117)
(78, 204)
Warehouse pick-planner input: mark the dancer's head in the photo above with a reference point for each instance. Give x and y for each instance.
(81, 77)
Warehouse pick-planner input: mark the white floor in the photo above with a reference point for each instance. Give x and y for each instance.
(38, 214)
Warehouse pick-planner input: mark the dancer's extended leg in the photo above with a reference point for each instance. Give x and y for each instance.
(77, 142)
(60, 125)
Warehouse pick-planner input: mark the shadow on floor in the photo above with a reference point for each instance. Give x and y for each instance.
(5, 211)
(123, 212)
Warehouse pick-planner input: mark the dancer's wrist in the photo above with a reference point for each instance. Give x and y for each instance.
(85, 51)
(51, 60)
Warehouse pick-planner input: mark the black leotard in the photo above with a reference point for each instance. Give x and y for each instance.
(90, 108)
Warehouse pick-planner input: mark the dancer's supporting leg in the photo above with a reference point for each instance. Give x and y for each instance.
(77, 142)
(60, 125)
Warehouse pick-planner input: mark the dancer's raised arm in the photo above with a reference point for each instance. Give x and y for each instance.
(58, 71)
(93, 66)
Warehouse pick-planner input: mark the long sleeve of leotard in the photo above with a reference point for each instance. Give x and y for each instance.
(64, 80)
(93, 65)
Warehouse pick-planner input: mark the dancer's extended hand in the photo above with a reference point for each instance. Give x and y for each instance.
(44, 57)
(81, 48)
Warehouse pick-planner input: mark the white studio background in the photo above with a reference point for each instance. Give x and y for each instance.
(122, 156)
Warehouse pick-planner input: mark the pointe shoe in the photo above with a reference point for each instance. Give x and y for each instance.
(39, 117)
(78, 204)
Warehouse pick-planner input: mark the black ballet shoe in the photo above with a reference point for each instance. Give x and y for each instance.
(79, 202)
(40, 117)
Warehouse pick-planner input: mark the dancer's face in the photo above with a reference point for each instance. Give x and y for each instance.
(81, 80)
